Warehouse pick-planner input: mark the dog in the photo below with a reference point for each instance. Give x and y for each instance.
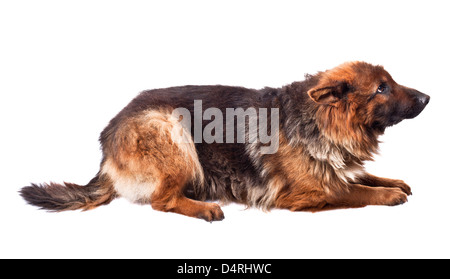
(323, 129)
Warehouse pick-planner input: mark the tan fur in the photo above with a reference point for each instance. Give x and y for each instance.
(145, 154)
(152, 160)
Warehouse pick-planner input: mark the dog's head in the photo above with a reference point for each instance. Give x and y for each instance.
(368, 96)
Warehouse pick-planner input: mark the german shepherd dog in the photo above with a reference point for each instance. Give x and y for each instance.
(325, 128)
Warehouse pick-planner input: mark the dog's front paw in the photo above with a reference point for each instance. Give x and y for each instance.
(402, 185)
(394, 196)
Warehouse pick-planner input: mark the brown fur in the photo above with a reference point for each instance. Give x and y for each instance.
(329, 126)
(343, 119)
(69, 196)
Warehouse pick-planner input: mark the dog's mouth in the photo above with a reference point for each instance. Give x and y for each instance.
(381, 125)
(417, 109)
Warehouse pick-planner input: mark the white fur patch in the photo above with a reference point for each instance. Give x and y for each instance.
(133, 189)
(350, 174)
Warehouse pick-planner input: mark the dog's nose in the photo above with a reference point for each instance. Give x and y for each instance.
(424, 99)
(420, 98)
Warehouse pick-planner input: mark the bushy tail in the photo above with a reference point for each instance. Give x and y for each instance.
(58, 197)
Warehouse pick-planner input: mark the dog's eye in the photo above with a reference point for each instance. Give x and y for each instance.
(382, 88)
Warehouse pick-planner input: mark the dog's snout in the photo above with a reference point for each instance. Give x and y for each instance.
(419, 102)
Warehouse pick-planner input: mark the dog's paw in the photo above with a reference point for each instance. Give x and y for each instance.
(394, 196)
(402, 185)
(212, 212)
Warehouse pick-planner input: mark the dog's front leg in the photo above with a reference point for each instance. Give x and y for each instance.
(361, 195)
(375, 181)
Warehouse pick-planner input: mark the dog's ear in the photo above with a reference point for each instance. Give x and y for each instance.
(328, 92)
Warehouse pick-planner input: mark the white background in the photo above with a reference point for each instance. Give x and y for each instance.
(67, 67)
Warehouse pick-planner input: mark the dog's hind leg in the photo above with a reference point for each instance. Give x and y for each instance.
(169, 197)
(151, 159)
